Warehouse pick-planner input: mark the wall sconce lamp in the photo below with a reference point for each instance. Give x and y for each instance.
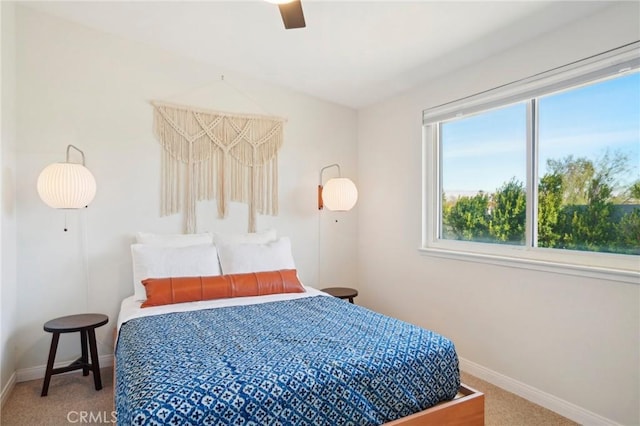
(67, 185)
(338, 194)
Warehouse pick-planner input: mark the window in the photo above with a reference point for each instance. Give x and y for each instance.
(479, 154)
(545, 171)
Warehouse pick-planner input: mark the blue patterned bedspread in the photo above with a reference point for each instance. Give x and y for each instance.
(310, 361)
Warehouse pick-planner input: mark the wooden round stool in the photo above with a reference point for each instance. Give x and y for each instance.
(342, 292)
(86, 325)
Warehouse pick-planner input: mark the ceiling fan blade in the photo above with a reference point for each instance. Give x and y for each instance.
(292, 15)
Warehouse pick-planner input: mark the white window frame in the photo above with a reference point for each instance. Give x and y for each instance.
(615, 267)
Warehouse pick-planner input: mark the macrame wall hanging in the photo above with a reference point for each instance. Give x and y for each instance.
(209, 155)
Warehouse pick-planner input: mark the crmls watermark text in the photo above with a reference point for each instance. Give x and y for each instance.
(92, 417)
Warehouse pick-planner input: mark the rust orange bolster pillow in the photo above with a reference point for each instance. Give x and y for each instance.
(165, 291)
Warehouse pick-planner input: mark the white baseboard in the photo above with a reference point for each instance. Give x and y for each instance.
(4, 395)
(546, 400)
(34, 373)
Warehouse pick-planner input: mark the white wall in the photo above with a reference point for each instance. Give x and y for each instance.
(8, 287)
(90, 89)
(572, 338)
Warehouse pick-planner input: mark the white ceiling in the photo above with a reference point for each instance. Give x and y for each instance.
(351, 52)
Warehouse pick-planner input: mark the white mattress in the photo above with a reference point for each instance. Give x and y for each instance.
(130, 308)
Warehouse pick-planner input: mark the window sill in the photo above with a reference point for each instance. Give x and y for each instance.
(610, 274)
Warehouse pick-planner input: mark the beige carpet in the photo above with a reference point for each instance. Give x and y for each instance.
(502, 408)
(73, 400)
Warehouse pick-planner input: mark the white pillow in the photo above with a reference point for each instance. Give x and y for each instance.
(173, 240)
(244, 258)
(151, 261)
(262, 237)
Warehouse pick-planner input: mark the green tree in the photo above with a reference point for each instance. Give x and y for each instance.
(576, 174)
(613, 170)
(628, 230)
(579, 207)
(468, 218)
(634, 191)
(592, 225)
(550, 192)
(508, 216)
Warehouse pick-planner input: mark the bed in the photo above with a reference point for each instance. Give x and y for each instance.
(283, 358)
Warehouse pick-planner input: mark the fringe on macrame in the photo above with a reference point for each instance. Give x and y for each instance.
(209, 155)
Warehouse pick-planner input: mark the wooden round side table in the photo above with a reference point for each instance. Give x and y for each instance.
(86, 325)
(342, 292)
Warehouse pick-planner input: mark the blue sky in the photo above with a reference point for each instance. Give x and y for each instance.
(482, 152)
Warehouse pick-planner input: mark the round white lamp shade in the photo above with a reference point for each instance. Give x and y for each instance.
(339, 194)
(66, 186)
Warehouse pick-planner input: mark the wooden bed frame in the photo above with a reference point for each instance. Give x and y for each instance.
(467, 409)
